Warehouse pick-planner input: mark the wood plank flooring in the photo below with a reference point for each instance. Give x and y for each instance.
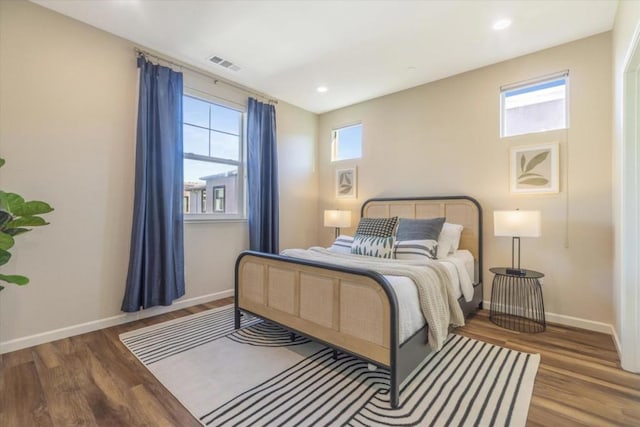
(93, 380)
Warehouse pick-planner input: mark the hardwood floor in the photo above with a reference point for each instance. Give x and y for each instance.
(93, 380)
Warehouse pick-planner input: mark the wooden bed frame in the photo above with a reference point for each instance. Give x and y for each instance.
(353, 310)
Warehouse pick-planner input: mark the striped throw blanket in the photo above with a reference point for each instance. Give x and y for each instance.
(437, 299)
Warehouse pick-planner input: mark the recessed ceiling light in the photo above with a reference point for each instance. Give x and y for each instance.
(501, 24)
(322, 89)
(411, 69)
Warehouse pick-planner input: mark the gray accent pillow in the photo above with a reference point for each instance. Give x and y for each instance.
(419, 229)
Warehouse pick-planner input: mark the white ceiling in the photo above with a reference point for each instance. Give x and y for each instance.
(358, 49)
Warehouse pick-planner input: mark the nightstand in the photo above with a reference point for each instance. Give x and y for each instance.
(516, 301)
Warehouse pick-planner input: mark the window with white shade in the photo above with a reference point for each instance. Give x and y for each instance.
(213, 160)
(537, 106)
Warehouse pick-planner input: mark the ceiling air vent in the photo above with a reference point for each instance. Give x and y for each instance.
(224, 63)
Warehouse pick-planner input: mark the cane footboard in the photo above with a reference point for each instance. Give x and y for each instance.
(350, 309)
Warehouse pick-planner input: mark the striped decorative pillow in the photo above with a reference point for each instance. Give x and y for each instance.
(381, 247)
(416, 249)
(342, 245)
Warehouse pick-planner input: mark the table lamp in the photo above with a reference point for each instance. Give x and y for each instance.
(337, 219)
(516, 224)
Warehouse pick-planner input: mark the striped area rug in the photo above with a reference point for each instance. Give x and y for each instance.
(258, 376)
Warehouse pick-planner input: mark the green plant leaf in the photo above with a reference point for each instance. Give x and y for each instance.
(537, 159)
(15, 231)
(5, 217)
(27, 221)
(34, 207)
(15, 279)
(535, 181)
(11, 201)
(1, 287)
(523, 160)
(6, 241)
(5, 256)
(1, 162)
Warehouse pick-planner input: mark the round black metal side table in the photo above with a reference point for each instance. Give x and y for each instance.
(516, 301)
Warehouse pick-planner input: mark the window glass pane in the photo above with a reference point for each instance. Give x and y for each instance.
(200, 178)
(196, 171)
(348, 143)
(535, 108)
(225, 119)
(225, 146)
(195, 140)
(195, 112)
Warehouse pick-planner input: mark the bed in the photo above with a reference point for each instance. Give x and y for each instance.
(354, 310)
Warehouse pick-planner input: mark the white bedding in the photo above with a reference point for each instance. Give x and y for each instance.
(460, 267)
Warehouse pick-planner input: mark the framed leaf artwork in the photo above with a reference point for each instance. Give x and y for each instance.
(346, 183)
(535, 169)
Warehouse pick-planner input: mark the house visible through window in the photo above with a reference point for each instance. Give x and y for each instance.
(213, 159)
(535, 107)
(346, 143)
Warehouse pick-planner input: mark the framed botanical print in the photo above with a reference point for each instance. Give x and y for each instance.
(535, 169)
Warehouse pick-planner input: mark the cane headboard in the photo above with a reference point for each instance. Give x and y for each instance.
(462, 210)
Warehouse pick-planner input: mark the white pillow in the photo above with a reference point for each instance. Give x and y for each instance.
(444, 247)
(449, 238)
(342, 245)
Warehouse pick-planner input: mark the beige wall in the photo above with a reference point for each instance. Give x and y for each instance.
(626, 24)
(443, 138)
(68, 95)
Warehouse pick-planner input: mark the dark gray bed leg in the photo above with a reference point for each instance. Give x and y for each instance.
(293, 337)
(238, 315)
(394, 395)
(480, 305)
(394, 390)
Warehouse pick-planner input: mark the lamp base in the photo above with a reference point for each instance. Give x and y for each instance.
(516, 272)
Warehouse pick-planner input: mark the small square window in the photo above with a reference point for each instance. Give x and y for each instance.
(534, 107)
(346, 143)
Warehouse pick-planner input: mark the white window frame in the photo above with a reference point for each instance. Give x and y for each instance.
(529, 83)
(334, 141)
(241, 216)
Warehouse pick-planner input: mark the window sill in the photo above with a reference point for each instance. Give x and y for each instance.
(197, 219)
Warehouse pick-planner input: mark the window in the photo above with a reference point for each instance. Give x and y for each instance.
(213, 159)
(346, 143)
(535, 107)
(218, 198)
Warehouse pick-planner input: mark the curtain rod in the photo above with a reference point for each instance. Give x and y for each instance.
(140, 52)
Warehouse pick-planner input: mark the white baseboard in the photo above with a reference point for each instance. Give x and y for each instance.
(616, 341)
(69, 331)
(576, 322)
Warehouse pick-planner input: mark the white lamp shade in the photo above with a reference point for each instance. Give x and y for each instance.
(335, 218)
(516, 223)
